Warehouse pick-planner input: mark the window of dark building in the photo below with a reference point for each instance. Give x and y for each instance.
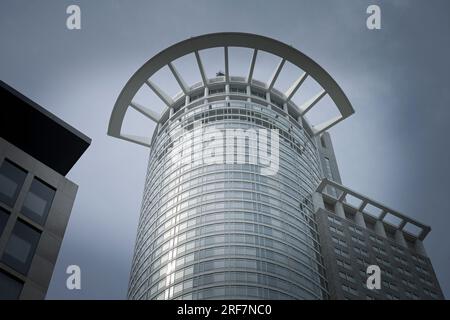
(11, 181)
(390, 234)
(349, 215)
(411, 244)
(370, 224)
(21, 247)
(38, 201)
(4, 215)
(329, 206)
(10, 287)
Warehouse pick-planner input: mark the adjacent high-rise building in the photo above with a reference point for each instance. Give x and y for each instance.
(357, 232)
(37, 150)
(243, 198)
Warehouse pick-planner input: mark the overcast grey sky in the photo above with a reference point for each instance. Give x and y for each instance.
(393, 149)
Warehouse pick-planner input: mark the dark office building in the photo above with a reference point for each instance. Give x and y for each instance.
(37, 150)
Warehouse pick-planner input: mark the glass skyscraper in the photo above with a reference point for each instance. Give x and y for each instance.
(230, 199)
(224, 229)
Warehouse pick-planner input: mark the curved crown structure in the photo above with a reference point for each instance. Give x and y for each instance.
(226, 40)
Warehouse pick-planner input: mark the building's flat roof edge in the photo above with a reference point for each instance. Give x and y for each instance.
(48, 114)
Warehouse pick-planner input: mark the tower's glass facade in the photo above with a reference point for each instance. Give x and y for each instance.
(223, 229)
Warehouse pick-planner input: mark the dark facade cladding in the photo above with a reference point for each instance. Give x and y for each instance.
(36, 151)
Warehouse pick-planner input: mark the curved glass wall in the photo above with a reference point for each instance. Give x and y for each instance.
(225, 229)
